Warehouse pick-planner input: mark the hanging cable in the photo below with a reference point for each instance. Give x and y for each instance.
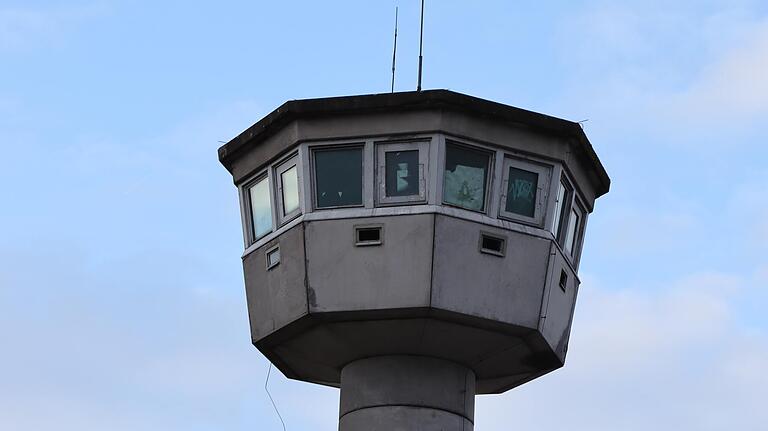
(266, 388)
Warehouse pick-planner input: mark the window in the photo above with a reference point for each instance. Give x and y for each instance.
(525, 191)
(259, 208)
(287, 175)
(338, 177)
(401, 172)
(466, 177)
(568, 219)
(573, 229)
(562, 205)
(273, 257)
(575, 233)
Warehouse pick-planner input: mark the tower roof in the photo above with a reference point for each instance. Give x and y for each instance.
(421, 100)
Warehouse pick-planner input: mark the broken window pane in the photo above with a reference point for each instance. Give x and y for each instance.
(521, 192)
(402, 173)
(466, 174)
(339, 177)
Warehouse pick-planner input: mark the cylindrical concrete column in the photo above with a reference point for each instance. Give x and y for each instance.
(405, 393)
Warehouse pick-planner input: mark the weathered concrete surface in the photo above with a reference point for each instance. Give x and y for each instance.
(506, 289)
(277, 296)
(426, 290)
(406, 393)
(395, 274)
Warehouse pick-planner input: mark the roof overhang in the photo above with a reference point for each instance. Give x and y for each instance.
(410, 101)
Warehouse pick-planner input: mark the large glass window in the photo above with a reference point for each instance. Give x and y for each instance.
(260, 207)
(339, 177)
(290, 189)
(521, 192)
(525, 190)
(287, 177)
(401, 172)
(466, 177)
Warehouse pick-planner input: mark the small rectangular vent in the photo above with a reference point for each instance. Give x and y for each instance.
(563, 280)
(491, 244)
(367, 235)
(273, 257)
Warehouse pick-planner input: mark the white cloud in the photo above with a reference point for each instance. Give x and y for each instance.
(668, 69)
(662, 359)
(733, 86)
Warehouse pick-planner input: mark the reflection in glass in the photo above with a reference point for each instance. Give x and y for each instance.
(290, 181)
(339, 177)
(261, 208)
(558, 209)
(521, 192)
(402, 173)
(573, 227)
(466, 173)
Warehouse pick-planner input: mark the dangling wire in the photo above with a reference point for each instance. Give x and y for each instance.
(266, 388)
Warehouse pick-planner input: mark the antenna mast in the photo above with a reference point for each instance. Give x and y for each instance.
(394, 53)
(421, 45)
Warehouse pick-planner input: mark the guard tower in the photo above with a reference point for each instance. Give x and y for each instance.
(414, 249)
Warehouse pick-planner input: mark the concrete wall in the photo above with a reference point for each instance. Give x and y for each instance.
(559, 303)
(506, 289)
(277, 296)
(406, 393)
(345, 277)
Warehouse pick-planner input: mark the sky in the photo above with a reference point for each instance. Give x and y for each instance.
(122, 303)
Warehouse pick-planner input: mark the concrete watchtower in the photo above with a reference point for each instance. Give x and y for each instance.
(413, 249)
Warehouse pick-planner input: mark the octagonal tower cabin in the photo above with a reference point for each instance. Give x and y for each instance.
(414, 249)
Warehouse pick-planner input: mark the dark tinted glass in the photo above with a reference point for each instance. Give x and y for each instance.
(521, 192)
(466, 173)
(402, 173)
(339, 177)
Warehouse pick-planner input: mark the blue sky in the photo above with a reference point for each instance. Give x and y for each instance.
(121, 292)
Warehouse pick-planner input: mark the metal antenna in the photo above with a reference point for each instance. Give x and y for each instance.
(394, 53)
(421, 45)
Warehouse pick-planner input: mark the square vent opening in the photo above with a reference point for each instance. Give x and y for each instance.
(491, 244)
(367, 235)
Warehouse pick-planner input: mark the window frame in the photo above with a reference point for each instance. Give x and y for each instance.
(250, 227)
(544, 173)
(280, 168)
(384, 147)
(271, 251)
(578, 234)
(488, 177)
(565, 209)
(313, 173)
(572, 201)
